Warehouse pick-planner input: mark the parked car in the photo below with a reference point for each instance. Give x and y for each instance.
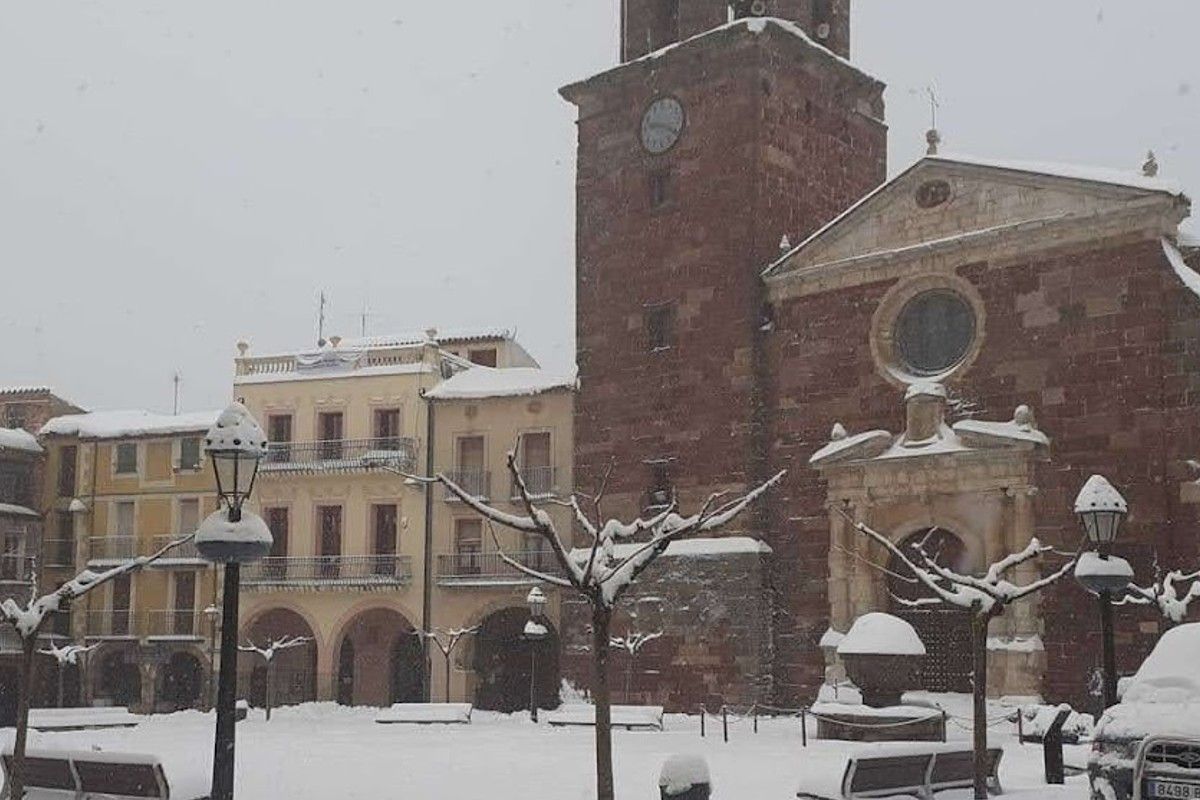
(1148, 745)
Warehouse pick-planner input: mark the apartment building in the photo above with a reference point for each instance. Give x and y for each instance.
(123, 484)
(365, 558)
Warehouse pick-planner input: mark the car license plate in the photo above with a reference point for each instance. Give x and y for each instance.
(1175, 790)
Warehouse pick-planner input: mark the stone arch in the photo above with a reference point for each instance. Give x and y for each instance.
(501, 659)
(295, 670)
(378, 658)
(945, 630)
(282, 604)
(116, 676)
(182, 680)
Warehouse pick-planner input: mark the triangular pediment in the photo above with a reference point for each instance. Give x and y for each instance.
(951, 201)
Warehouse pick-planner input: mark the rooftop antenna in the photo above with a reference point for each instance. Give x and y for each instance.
(321, 321)
(176, 379)
(932, 137)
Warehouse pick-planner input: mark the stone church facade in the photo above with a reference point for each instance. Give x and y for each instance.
(1026, 325)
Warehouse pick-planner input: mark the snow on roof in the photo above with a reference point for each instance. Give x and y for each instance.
(413, 338)
(18, 439)
(19, 511)
(882, 440)
(1014, 430)
(121, 424)
(416, 368)
(1075, 172)
(1189, 277)
(24, 389)
(1115, 177)
(877, 632)
(479, 382)
(726, 545)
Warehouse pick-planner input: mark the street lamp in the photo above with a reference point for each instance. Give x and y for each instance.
(235, 444)
(212, 614)
(1100, 509)
(535, 631)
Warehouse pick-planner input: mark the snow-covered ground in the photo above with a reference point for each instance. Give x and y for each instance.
(323, 751)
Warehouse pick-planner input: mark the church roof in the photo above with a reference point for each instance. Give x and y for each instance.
(990, 197)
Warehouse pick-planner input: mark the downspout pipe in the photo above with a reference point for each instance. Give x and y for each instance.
(427, 586)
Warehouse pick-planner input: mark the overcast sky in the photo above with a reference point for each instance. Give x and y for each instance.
(174, 177)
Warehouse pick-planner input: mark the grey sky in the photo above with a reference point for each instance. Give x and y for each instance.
(172, 180)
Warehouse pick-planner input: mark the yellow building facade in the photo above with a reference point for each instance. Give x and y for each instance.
(366, 557)
(121, 484)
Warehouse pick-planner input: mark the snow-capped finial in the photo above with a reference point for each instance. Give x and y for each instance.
(838, 433)
(785, 244)
(1099, 495)
(243, 347)
(933, 139)
(1023, 417)
(1150, 166)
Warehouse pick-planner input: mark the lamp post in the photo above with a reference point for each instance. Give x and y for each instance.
(212, 614)
(235, 444)
(1100, 509)
(535, 631)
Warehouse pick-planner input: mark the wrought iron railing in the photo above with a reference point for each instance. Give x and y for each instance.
(539, 482)
(475, 482)
(121, 548)
(328, 571)
(471, 567)
(175, 622)
(110, 623)
(187, 550)
(340, 455)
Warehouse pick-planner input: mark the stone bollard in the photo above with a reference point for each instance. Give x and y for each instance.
(685, 777)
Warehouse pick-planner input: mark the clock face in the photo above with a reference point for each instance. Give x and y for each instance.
(661, 125)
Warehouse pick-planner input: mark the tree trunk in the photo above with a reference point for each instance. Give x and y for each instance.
(979, 634)
(448, 675)
(62, 667)
(270, 699)
(16, 781)
(601, 617)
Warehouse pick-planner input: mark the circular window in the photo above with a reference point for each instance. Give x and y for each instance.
(933, 331)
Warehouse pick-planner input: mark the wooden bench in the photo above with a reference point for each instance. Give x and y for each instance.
(630, 718)
(910, 772)
(82, 774)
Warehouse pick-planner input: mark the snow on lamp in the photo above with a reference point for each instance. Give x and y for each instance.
(235, 444)
(1100, 508)
(537, 601)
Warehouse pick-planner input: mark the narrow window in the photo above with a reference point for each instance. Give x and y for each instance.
(469, 467)
(468, 546)
(660, 327)
(330, 521)
(277, 521)
(658, 494)
(189, 516)
(189, 453)
(660, 188)
(484, 358)
(66, 471)
(183, 616)
(127, 458)
(537, 470)
(329, 427)
(387, 428)
(279, 436)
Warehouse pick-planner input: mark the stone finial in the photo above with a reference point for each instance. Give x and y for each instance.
(1023, 417)
(243, 347)
(838, 433)
(431, 333)
(334, 341)
(1150, 166)
(933, 139)
(925, 412)
(785, 245)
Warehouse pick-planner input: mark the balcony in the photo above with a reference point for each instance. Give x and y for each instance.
(339, 455)
(176, 624)
(112, 550)
(540, 482)
(110, 624)
(327, 572)
(488, 569)
(475, 482)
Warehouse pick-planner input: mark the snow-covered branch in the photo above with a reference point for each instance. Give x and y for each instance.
(633, 641)
(68, 654)
(1164, 594)
(28, 619)
(602, 576)
(446, 639)
(272, 647)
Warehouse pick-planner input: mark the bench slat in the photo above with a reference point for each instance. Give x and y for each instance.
(125, 780)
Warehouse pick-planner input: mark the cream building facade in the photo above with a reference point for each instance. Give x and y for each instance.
(364, 557)
(121, 484)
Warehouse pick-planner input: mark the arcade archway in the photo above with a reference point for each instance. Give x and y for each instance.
(182, 681)
(295, 673)
(378, 660)
(118, 680)
(945, 631)
(502, 662)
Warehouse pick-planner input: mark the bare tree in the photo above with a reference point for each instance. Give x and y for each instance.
(602, 576)
(446, 639)
(28, 620)
(632, 643)
(1164, 595)
(268, 653)
(985, 598)
(67, 655)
